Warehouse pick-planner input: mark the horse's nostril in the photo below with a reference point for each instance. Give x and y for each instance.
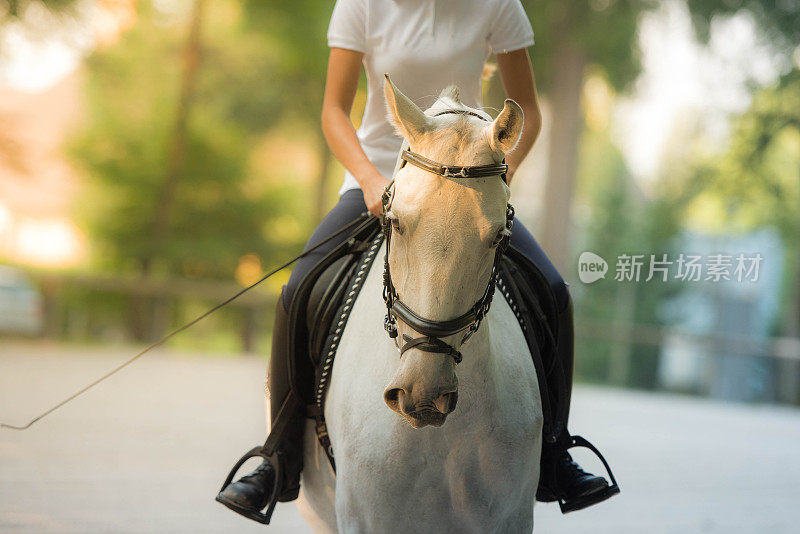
(393, 397)
(446, 402)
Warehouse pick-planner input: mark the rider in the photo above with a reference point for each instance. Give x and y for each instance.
(425, 45)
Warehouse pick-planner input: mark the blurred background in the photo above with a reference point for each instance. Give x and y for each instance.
(157, 156)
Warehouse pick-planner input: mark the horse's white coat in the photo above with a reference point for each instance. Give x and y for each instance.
(479, 471)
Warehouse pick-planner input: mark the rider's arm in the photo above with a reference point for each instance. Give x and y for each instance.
(519, 84)
(344, 68)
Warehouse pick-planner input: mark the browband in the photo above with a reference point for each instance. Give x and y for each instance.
(454, 171)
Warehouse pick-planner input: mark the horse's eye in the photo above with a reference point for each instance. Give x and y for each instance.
(498, 238)
(396, 225)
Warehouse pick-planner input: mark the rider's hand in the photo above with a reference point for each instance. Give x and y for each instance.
(373, 187)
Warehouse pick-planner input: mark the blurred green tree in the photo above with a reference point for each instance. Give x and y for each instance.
(178, 111)
(616, 217)
(296, 32)
(609, 203)
(779, 21)
(573, 35)
(570, 36)
(15, 9)
(755, 181)
(168, 141)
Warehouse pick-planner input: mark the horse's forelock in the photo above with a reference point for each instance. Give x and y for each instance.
(451, 92)
(450, 99)
(445, 103)
(457, 133)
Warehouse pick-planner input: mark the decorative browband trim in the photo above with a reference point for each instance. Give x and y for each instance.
(454, 171)
(347, 307)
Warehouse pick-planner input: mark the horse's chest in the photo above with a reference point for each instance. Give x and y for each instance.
(479, 467)
(478, 472)
(468, 478)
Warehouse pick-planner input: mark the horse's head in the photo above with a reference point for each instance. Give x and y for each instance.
(444, 236)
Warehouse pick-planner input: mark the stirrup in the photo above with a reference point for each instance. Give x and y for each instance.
(593, 498)
(256, 515)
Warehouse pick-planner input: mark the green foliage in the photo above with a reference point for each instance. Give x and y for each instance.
(779, 19)
(603, 30)
(604, 193)
(15, 9)
(222, 207)
(756, 179)
(619, 219)
(296, 32)
(606, 30)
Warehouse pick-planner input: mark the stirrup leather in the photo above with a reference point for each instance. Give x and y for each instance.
(583, 502)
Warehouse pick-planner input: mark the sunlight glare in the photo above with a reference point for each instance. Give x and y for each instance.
(48, 243)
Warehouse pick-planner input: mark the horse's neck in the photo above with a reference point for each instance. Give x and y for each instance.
(478, 357)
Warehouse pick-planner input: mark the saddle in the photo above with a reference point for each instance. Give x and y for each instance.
(324, 299)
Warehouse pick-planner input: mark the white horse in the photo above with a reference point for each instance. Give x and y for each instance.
(398, 470)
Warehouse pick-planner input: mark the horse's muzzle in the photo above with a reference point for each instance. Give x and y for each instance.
(423, 413)
(424, 389)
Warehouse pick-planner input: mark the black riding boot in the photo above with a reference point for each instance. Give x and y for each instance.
(561, 478)
(255, 491)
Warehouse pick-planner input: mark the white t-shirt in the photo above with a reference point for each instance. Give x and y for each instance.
(424, 45)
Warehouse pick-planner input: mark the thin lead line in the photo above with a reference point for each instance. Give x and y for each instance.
(160, 342)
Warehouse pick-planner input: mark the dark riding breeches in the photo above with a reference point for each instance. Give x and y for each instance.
(351, 205)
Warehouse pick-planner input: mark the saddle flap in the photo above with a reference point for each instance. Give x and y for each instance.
(534, 304)
(316, 293)
(324, 300)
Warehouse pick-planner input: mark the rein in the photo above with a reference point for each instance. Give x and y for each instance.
(470, 320)
(361, 218)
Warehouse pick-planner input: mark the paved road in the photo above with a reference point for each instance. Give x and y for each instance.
(146, 451)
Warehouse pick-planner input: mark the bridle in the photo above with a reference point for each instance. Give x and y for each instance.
(396, 309)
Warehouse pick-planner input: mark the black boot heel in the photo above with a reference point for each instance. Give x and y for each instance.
(289, 494)
(579, 503)
(251, 512)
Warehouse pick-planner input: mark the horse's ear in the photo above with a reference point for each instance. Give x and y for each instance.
(409, 120)
(506, 129)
